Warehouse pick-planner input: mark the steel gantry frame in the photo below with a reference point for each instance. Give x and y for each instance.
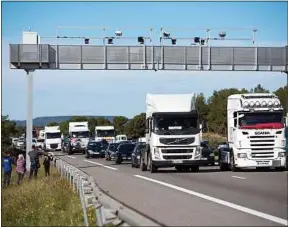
(34, 56)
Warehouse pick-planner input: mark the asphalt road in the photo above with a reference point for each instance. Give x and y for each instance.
(209, 197)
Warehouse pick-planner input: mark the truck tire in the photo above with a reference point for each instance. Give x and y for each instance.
(195, 169)
(232, 164)
(152, 168)
(87, 155)
(143, 166)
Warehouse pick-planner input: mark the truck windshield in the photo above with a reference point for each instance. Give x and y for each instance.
(176, 125)
(105, 133)
(55, 135)
(84, 134)
(261, 120)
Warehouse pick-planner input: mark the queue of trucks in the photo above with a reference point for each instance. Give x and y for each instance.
(256, 126)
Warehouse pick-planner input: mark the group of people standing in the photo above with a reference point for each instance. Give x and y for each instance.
(20, 163)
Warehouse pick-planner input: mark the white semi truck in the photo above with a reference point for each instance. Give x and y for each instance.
(172, 133)
(79, 137)
(52, 138)
(105, 132)
(256, 132)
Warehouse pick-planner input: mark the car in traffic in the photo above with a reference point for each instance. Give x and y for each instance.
(21, 144)
(95, 149)
(135, 156)
(110, 151)
(207, 153)
(124, 152)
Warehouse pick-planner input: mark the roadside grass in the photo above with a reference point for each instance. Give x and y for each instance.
(45, 201)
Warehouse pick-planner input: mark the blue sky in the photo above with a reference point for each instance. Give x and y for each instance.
(124, 92)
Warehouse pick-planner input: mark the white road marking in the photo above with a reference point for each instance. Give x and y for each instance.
(243, 178)
(219, 201)
(71, 157)
(99, 164)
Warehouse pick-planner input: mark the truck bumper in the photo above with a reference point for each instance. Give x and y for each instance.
(173, 163)
(247, 163)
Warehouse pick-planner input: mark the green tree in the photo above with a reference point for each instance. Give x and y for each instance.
(217, 119)
(119, 123)
(135, 128)
(64, 127)
(53, 124)
(259, 89)
(79, 118)
(202, 107)
(8, 129)
(283, 96)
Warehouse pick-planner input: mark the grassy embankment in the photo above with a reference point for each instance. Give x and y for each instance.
(47, 201)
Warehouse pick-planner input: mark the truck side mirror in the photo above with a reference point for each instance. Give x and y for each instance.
(204, 124)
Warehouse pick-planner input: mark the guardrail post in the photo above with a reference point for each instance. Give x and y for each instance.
(83, 202)
(99, 217)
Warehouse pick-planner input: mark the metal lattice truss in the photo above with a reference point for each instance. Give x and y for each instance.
(88, 57)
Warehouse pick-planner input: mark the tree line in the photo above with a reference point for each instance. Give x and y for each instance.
(212, 109)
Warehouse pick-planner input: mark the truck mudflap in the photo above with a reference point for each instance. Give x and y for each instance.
(172, 163)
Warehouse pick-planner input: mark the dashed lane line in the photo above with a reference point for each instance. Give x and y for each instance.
(99, 164)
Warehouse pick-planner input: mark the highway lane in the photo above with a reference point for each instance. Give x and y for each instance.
(263, 191)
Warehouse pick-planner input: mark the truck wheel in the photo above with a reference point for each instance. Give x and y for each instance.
(232, 164)
(143, 166)
(83, 152)
(152, 168)
(195, 169)
(87, 156)
(132, 164)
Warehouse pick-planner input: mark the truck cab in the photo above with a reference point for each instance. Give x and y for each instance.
(172, 133)
(79, 136)
(52, 138)
(105, 133)
(256, 132)
(120, 138)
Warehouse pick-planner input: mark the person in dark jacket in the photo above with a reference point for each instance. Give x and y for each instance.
(7, 164)
(35, 163)
(46, 163)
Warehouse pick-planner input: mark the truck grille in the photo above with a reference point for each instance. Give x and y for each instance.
(262, 147)
(54, 145)
(170, 157)
(172, 141)
(176, 151)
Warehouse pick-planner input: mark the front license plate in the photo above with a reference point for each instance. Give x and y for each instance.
(177, 161)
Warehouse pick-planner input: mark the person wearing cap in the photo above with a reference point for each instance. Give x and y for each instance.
(35, 163)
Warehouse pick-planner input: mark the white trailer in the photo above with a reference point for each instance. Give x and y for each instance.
(256, 132)
(52, 137)
(79, 136)
(172, 133)
(105, 132)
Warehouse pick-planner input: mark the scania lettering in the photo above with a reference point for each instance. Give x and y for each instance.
(52, 136)
(79, 137)
(172, 133)
(256, 132)
(105, 132)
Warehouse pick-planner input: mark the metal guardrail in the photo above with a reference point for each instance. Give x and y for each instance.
(108, 210)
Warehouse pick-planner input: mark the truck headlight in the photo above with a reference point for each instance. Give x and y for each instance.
(138, 156)
(197, 151)
(156, 151)
(242, 155)
(281, 154)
